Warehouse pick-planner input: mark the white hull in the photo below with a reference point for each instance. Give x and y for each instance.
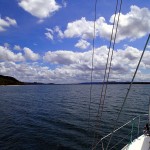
(141, 143)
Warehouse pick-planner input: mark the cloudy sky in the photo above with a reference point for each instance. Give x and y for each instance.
(51, 40)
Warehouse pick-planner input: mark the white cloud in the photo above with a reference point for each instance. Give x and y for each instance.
(29, 54)
(135, 24)
(7, 22)
(49, 34)
(76, 66)
(49, 30)
(29, 72)
(60, 57)
(11, 21)
(73, 67)
(60, 33)
(17, 47)
(40, 8)
(83, 44)
(8, 55)
(79, 28)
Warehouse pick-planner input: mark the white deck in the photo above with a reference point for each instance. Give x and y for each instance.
(141, 143)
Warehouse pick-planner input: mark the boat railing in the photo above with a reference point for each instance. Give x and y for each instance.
(139, 121)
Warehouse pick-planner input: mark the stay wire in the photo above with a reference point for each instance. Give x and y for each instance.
(92, 63)
(108, 64)
(103, 86)
(114, 42)
(126, 96)
(108, 54)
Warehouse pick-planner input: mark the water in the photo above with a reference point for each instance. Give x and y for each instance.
(55, 117)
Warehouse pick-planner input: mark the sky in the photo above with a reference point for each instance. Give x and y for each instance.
(51, 41)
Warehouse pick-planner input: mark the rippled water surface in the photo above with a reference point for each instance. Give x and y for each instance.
(55, 117)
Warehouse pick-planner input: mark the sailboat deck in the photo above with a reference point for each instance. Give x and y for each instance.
(141, 143)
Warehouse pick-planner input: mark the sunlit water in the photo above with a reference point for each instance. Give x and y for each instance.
(56, 117)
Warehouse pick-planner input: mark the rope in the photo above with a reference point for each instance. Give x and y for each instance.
(92, 63)
(112, 53)
(108, 56)
(114, 39)
(104, 86)
(128, 90)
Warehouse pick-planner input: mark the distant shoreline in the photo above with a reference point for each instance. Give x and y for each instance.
(7, 80)
(116, 83)
(24, 83)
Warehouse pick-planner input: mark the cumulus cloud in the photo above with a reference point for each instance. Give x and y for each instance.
(17, 47)
(83, 44)
(40, 8)
(60, 57)
(29, 54)
(8, 55)
(73, 67)
(78, 60)
(77, 65)
(29, 72)
(134, 24)
(79, 28)
(7, 22)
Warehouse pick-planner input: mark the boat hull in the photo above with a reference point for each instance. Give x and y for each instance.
(140, 143)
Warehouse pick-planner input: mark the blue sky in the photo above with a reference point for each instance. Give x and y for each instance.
(51, 41)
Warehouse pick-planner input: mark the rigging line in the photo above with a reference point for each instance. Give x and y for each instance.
(92, 63)
(116, 31)
(128, 90)
(109, 51)
(111, 56)
(114, 42)
(110, 63)
(110, 43)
